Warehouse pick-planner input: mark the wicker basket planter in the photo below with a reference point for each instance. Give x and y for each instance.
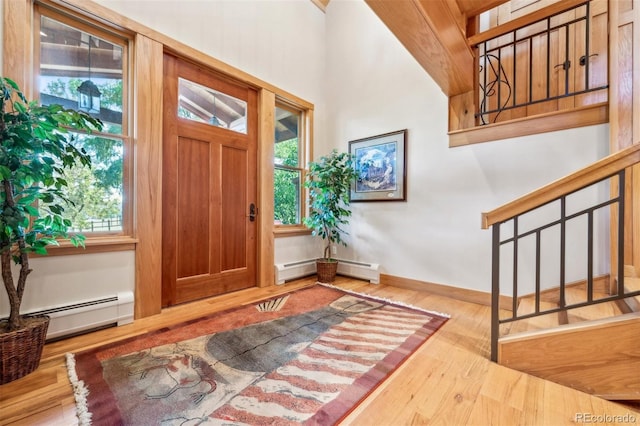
(326, 270)
(20, 350)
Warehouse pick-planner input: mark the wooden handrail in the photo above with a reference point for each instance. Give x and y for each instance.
(523, 21)
(584, 177)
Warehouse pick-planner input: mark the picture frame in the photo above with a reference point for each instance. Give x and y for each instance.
(380, 166)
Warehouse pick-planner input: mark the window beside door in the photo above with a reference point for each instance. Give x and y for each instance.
(83, 68)
(289, 160)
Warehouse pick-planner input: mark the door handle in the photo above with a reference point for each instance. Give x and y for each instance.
(253, 211)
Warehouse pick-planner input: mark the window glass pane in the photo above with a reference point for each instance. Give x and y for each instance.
(96, 192)
(286, 137)
(85, 71)
(205, 105)
(286, 153)
(81, 71)
(287, 196)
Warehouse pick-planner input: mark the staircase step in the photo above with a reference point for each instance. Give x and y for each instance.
(527, 306)
(594, 312)
(574, 293)
(632, 284)
(600, 287)
(598, 357)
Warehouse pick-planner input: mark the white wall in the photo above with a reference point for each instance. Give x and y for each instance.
(61, 280)
(374, 86)
(278, 41)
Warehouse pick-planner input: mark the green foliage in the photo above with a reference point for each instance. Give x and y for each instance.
(329, 182)
(90, 199)
(287, 183)
(287, 152)
(111, 91)
(35, 149)
(96, 192)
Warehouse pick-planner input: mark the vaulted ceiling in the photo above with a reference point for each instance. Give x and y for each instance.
(435, 33)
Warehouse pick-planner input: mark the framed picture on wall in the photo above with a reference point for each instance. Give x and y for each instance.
(380, 165)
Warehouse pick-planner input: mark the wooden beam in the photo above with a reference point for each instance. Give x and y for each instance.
(471, 8)
(432, 31)
(322, 4)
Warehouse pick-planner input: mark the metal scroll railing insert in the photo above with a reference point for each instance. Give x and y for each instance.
(543, 61)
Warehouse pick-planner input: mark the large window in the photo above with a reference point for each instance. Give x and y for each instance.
(83, 68)
(289, 166)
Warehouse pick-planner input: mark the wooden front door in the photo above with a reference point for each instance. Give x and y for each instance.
(209, 184)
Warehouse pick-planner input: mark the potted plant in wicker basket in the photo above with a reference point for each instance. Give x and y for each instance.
(329, 182)
(35, 147)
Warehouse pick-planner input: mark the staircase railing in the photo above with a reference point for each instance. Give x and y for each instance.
(556, 196)
(535, 59)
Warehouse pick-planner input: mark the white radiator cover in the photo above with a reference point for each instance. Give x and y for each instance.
(89, 314)
(290, 271)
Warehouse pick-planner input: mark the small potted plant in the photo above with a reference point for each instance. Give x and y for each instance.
(329, 182)
(35, 148)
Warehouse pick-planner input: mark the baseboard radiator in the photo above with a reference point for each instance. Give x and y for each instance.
(88, 315)
(294, 270)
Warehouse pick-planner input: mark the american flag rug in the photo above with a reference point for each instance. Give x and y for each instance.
(308, 357)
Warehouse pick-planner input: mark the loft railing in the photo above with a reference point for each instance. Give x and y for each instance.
(608, 174)
(536, 62)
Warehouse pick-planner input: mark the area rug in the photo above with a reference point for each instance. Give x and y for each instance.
(308, 357)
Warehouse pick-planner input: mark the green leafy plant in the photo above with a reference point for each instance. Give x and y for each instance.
(36, 146)
(329, 182)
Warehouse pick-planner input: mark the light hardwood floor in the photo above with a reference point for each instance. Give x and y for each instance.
(448, 381)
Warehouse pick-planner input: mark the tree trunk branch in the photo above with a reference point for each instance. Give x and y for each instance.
(14, 292)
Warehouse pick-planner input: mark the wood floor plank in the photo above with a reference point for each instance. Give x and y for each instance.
(449, 380)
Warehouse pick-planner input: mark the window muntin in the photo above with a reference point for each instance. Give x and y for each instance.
(71, 56)
(288, 163)
(205, 105)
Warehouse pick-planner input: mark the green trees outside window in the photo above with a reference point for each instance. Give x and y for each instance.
(287, 181)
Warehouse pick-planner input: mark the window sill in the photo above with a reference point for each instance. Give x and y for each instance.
(92, 245)
(290, 231)
(549, 122)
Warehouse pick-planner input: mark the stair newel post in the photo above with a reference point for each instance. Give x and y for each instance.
(495, 291)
